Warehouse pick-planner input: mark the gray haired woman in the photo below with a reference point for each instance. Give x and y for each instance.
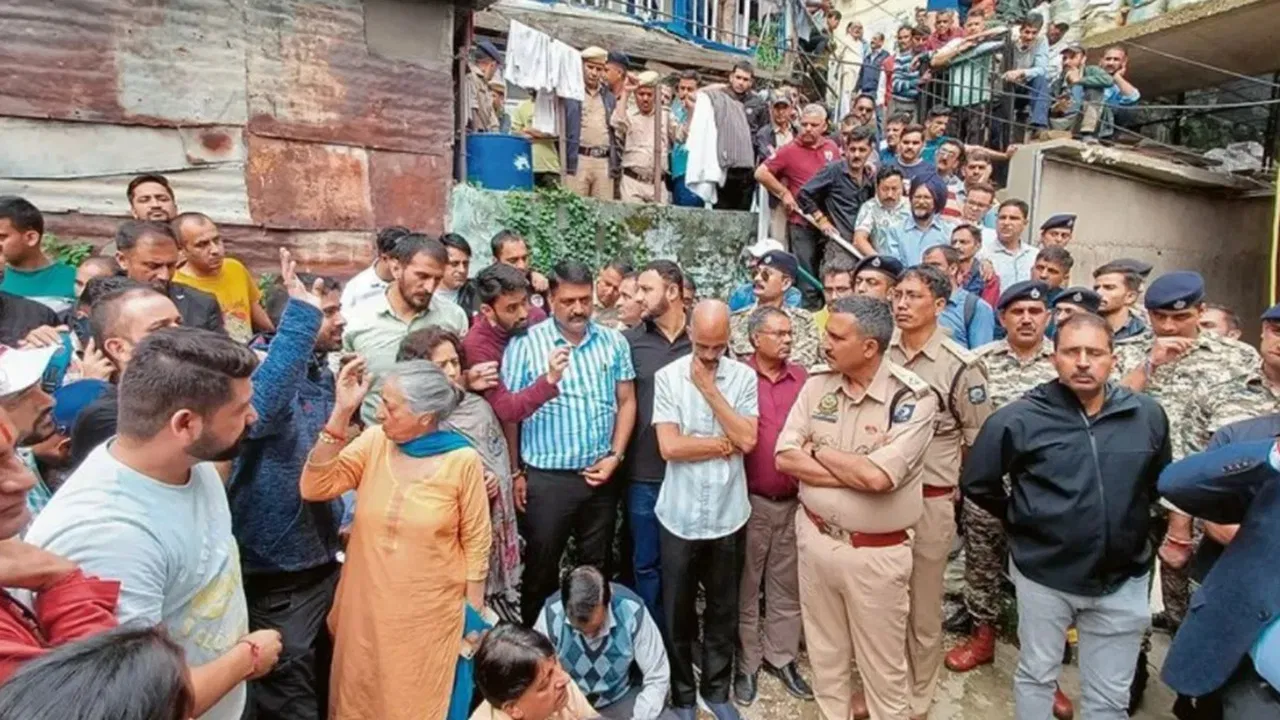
(419, 545)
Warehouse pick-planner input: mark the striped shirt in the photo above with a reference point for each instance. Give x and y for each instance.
(706, 499)
(574, 429)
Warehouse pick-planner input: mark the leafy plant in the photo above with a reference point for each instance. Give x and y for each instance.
(70, 253)
(768, 52)
(558, 224)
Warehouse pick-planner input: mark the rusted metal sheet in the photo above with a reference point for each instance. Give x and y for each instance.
(301, 185)
(311, 77)
(49, 149)
(408, 189)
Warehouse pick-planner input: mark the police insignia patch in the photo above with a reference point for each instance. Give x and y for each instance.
(978, 394)
(903, 413)
(828, 408)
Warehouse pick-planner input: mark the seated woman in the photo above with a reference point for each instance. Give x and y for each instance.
(122, 674)
(520, 678)
(419, 544)
(475, 419)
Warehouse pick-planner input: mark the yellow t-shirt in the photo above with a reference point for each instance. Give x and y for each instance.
(545, 156)
(236, 292)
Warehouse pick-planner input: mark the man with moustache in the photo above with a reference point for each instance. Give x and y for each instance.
(150, 198)
(959, 379)
(661, 338)
(1077, 539)
(128, 513)
(289, 547)
(375, 330)
(775, 274)
(705, 412)
(644, 139)
(590, 143)
(148, 253)
(573, 444)
(835, 194)
(926, 228)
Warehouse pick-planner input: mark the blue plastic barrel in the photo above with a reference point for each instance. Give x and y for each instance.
(500, 162)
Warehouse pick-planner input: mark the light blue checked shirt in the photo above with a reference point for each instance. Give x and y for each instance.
(706, 499)
(574, 429)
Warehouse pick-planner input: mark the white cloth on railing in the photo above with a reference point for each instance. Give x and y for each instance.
(703, 174)
(536, 62)
(566, 72)
(544, 113)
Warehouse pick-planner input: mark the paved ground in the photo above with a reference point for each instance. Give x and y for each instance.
(983, 694)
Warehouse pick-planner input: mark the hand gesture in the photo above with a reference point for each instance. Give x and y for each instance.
(29, 567)
(987, 270)
(1168, 349)
(95, 364)
(1013, 75)
(601, 470)
(352, 385)
(482, 376)
(539, 281)
(269, 646)
(490, 484)
(704, 377)
(43, 336)
(557, 362)
(298, 291)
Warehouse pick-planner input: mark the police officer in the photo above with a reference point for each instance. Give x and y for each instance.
(1072, 300)
(876, 276)
(855, 440)
(1119, 286)
(774, 275)
(634, 125)
(590, 140)
(1142, 269)
(959, 379)
(1058, 230)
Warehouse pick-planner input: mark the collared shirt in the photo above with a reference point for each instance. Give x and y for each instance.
(636, 132)
(375, 332)
(650, 352)
(960, 379)
(1013, 266)
(365, 286)
(980, 329)
(574, 429)
(1033, 60)
(744, 296)
(795, 164)
(890, 422)
(485, 342)
(876, 219)
(775, 399)
(838, 195)
(908, 241)
(482, 117)
(1009, 376)
(704, 499)
(805, 345)
(595, 122)
(1132, 328)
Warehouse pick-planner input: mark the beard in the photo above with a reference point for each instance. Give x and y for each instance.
(210, 449)
(42, 429)
(516, 328)
(657, 312)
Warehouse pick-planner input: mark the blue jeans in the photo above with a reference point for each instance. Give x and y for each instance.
(641, 497)
(684, 197)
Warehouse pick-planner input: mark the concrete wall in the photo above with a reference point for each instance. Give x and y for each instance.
(1224, 235)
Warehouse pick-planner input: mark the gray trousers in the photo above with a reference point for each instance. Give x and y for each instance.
(770, 555)
(1110, 629)
(623, 709)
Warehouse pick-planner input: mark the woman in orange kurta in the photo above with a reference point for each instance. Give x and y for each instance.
(419, 545)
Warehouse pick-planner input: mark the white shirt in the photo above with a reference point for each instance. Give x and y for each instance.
(170, 546)
(705, 499)
(1013, 266)
(361, 288)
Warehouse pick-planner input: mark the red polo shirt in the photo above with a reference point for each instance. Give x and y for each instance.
(794, 164)
(776, 399)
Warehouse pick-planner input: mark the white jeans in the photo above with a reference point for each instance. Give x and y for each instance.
(1110, 629)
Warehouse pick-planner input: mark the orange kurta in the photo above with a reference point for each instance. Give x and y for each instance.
(415, 543)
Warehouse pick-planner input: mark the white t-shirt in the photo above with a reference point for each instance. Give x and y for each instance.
(365, 286)
(170, 547)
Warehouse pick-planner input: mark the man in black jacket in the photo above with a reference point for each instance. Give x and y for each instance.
(1083, 458)
(148, 253)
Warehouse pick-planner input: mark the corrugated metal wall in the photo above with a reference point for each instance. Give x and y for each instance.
(307, 123)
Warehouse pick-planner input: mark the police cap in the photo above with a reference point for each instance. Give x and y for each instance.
(884, 264)
(1065, 221)
(1025, 290)
(781, 261)
(1175, 291)
(1081, 297)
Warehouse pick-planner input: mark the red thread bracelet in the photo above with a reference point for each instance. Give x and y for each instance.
(255, 652)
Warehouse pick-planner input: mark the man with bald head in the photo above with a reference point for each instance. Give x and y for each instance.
(227, 279)
(704, 412)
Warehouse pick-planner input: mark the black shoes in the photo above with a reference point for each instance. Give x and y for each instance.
(790, 678)
(958, 620)
(745, 689)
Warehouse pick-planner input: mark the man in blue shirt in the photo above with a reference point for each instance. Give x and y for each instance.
(969, 318)
(908, 241)
(573, 444)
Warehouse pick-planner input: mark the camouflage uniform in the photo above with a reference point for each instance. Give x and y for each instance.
(984, 539)
(804, 336)
(1214, 361)
(1215, 406)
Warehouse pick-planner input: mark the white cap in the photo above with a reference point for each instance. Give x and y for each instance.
(20, 369)
(764, 246)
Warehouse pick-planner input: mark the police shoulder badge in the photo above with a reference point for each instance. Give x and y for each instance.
(978, 394)
(903, 412)
(828, 408)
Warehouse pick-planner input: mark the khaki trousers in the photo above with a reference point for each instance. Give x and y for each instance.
(770, 555)
(855, 601)
(634, 191)
(592, 178)
(929, 547)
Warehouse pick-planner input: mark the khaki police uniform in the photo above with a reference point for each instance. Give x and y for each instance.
(959, 380)
(592, 178)
(853, 546)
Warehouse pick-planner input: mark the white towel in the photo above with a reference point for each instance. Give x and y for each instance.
(528, 57)
(544, 112)
(566, 72)
(703, 174)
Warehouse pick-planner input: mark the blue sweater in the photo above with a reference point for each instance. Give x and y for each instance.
(293, 396)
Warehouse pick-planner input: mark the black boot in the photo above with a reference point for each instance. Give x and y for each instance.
(790, 678)
(744, 688)
(1139, 686)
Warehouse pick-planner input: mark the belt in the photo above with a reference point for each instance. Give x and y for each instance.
(857, 539)
(595, 152)
(775, 498)
(641, 176)
(937, 491)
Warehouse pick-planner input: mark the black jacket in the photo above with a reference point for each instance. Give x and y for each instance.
(1082, 487)
(19, 316)
(197, 307)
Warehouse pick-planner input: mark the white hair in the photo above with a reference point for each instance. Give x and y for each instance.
(426, 388)
(814, 110)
